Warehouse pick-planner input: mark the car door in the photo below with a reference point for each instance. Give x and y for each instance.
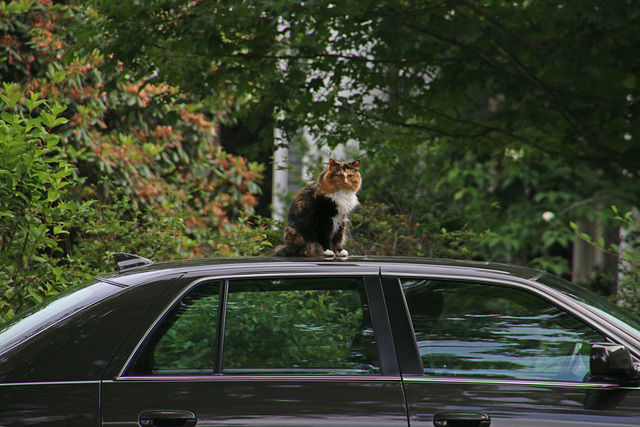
(297, 350)
(499, 354)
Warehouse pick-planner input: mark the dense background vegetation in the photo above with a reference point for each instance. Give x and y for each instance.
(488, 127)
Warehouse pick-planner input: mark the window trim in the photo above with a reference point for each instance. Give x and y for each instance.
(371, 281)
(503, 381)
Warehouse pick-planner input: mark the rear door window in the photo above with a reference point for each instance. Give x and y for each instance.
(299, 325)
(264, 326)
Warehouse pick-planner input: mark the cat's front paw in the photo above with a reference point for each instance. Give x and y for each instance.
(343, 253)
(329, 253)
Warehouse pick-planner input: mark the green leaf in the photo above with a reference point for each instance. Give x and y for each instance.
(53, 195)
(12, 119)
(59, 230)
(12, 100)
(35, 295)
(34, 101)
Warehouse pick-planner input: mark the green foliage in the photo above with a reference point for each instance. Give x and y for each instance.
(48, 240)
(628, 253)
(487, 129)
(34, 215)
(377, 230)
(479, 117)
(153, 141)
(91, 165)
(296, 329)
(496, 75)
(249, 236)
(98, 229)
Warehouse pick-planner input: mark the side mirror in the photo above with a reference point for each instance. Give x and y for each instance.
(613, 361)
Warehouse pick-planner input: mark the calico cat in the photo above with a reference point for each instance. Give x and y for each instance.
(318, 217)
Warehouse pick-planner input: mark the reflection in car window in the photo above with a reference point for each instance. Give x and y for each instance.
(473, 329)
(272, 326)
(620, 317)
(185, 341)
(62, 305)
(299, 325)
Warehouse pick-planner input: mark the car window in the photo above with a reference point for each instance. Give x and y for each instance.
(272, 326)
(620, 317)
(299, 325)
(479, 329)
(53, 310)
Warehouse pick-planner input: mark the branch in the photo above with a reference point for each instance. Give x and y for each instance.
(480, 11)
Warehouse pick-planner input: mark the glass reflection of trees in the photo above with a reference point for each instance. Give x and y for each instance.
(271, 326)
(477, 329)
(293, 325)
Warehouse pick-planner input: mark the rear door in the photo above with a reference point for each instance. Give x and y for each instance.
(498, 354)
(297, 350)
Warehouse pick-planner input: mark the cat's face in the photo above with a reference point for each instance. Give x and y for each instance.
(341, 176)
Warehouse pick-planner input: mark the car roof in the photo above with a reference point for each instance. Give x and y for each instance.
(351, 265)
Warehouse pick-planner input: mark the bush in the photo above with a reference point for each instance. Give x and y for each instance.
(628, 287)
(129, 166)
(34, 213)
(248, 237)
(57, 231)
(377, 230)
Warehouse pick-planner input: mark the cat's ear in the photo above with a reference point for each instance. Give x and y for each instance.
(332, 162)
(354, 164)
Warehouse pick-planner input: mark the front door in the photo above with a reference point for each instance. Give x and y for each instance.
(498, 355)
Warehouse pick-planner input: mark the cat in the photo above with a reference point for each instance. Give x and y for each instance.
(318, 217)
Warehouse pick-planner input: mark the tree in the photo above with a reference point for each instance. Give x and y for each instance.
(155, 143)
(91, 166)
(544, 77)
(505, 110)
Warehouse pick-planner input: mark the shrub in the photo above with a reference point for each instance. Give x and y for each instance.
(377, 230)
(628, 292)
(248, 237)
(34, 212)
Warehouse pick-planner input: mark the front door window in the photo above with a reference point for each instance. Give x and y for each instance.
(486, 330)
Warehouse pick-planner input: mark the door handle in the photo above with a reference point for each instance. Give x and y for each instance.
(155, 418)
(461, 419)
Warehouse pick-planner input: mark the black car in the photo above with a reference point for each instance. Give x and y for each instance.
(363, 341)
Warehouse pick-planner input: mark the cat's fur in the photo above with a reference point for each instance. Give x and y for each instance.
(318, 217)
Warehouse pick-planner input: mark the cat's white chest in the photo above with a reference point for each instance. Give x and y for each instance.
(346, 201)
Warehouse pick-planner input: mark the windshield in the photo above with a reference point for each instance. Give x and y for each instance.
(52, 310)
(623, 319)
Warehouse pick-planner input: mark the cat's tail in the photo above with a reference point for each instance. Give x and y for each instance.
(312, 250)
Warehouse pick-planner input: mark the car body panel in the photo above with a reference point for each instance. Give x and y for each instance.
(69, 404)
(79, 346)
(505, 402)
(261, 400)
(265, 399)
(60, 378)
(530, 404)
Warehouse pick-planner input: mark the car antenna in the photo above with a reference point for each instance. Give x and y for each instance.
(126, 261)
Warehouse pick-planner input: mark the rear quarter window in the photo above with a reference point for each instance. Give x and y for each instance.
(52, 311)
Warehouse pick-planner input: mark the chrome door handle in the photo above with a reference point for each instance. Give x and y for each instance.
(154, 418)
(461, 418)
